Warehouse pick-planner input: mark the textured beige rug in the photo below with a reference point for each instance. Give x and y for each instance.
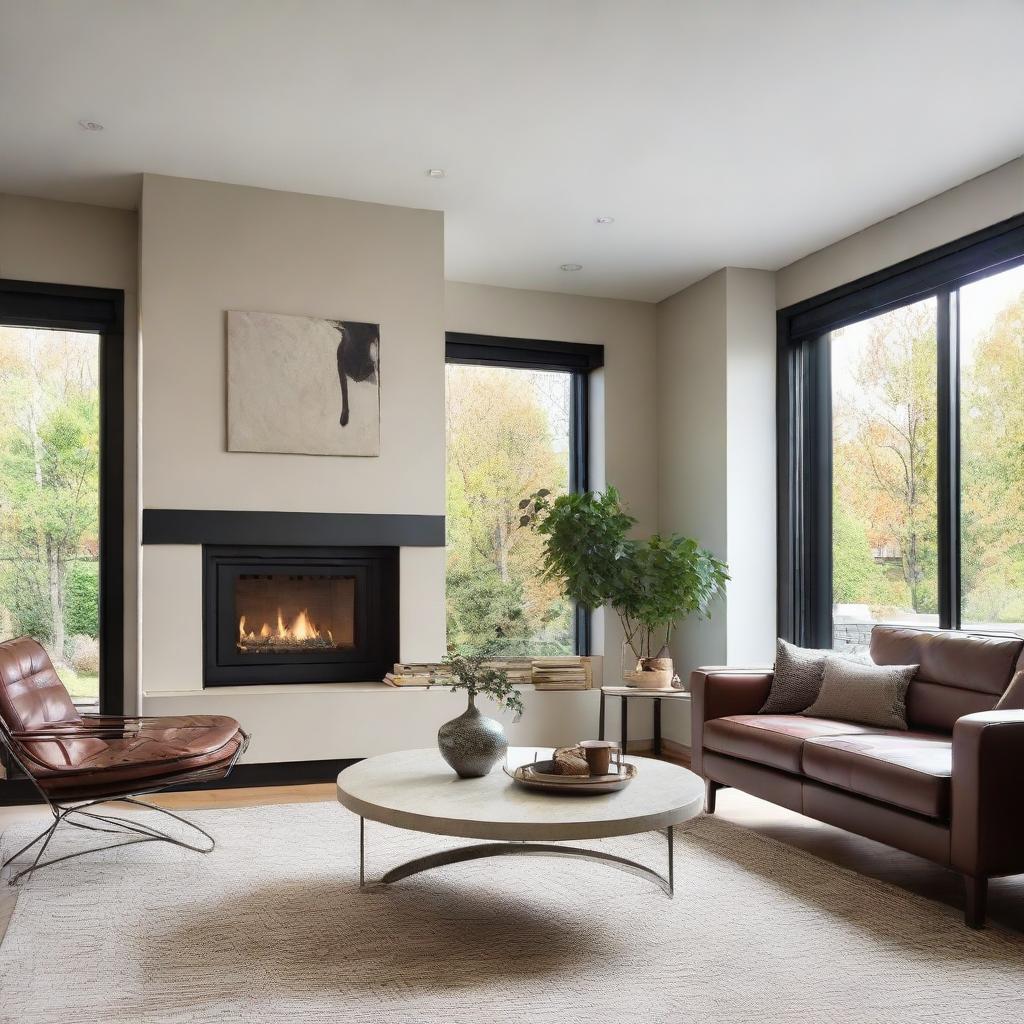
(271, 927)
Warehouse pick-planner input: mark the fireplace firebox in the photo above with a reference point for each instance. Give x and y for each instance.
(299, 615)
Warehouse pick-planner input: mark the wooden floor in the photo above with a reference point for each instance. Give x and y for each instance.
(1006, 901)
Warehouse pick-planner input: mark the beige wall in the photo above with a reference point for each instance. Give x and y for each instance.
(976, 204)
(692, 462)
(206, 248)
(693, 439)
(716, 459)
(70, 243)
(751, 462)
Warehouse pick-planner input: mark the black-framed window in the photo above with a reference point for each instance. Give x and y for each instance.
(517, 420)
(901, 447)
(62, 481)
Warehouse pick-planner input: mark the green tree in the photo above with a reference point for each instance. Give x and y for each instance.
(82, 600)
(992, 470)
(507, 435)
(49, 471)
(885, 445)
(856, 577)
(485, 612)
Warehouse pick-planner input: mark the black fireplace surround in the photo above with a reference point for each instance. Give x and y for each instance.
(298, 614)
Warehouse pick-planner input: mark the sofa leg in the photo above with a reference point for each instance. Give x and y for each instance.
(711, 789)
(977, 899)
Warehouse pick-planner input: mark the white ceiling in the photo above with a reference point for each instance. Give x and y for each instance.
(738, 132)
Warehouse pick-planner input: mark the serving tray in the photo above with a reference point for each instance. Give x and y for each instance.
(539, 775)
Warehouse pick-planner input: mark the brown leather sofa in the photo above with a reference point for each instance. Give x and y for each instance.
(951, 789)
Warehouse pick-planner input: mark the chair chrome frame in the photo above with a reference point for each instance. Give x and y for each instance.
(72, 812)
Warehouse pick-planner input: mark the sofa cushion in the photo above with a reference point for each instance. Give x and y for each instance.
(869, 694)
(908, 770)
(967, 661)
(960, 674)
(773, 740)
(798, 673)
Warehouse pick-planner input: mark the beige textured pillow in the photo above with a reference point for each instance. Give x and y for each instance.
(797, 679)
(868, 694)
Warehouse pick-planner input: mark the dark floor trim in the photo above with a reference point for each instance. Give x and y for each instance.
(329, 529)
(244, 776)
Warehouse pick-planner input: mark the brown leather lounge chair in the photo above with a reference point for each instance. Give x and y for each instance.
(79, 761)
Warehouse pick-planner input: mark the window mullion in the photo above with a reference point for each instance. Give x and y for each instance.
(948, 482)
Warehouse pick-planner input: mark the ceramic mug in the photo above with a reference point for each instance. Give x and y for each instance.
(598, 754)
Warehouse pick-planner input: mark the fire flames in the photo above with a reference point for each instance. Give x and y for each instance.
(302, 632)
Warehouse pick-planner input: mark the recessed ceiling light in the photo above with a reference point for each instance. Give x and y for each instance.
(604, 220)
(436, 172)
(90, 126)
(571, 266)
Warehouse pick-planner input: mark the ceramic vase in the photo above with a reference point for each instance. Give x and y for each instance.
(472, 743)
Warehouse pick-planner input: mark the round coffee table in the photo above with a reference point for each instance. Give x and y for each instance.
(415, 789)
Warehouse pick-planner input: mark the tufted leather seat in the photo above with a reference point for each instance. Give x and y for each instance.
(31, 693)
(71, 757)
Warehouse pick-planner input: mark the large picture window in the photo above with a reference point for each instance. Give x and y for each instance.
(516, 414)
(61, 452)
(902, 447)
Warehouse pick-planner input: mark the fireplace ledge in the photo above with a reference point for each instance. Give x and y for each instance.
(292, 689)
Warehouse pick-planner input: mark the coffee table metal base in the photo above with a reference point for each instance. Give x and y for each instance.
(478, 851)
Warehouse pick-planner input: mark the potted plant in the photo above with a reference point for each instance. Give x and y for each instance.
(652, 584)
(472, 743)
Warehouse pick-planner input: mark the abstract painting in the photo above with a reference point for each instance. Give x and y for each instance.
(303, 385)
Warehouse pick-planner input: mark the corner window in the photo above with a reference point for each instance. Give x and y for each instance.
(516, 422)
(901, 436)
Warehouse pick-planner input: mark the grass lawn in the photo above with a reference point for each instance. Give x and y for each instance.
(84, 689)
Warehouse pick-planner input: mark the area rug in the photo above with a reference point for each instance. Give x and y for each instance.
(272, 927)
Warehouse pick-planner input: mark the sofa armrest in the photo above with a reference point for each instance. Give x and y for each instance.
(988, 796)
(720, 691)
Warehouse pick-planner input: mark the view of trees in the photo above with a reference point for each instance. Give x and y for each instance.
(992, 449)
(507, 437)
(49, 497)
(885, 442)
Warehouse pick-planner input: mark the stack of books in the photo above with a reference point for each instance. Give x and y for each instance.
(417, 674)
(518, 670)
(566, 673)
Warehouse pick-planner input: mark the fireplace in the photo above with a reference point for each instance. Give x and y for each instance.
(299, 615)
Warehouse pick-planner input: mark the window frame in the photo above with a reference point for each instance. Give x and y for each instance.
(101, 311)
(804, 419)
(576, 358)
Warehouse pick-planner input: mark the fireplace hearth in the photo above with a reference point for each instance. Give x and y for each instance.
(299, 615)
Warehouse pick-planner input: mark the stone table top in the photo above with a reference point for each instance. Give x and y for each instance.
(644, 691)
(415, 789)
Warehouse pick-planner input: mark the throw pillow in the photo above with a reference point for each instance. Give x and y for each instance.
(867, 694)
(798, 677)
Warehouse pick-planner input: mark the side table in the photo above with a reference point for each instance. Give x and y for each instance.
(625, 693)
